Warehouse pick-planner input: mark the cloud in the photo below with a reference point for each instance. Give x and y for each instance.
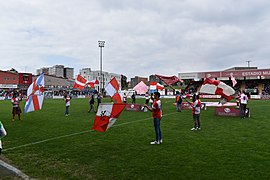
(142, 37)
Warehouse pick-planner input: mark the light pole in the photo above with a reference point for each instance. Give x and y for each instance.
(101, 45)
(248, 62)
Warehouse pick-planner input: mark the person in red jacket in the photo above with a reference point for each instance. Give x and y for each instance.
(196, 111)
(156, 110)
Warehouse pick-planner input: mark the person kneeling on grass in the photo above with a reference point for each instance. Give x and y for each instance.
(3, 133)
(156, 110)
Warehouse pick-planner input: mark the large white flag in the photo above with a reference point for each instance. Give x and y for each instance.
(35, 95)
(211, 86)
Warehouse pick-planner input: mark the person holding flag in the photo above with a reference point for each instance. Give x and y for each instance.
(67, 99)
(3, 133)
(196, 111)
(156, 110)
(243, 104)
(16, 109)
(179, 100)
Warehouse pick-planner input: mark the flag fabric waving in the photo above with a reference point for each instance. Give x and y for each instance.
(169, 80)
(211, 86)
(107, 115)
(80, 82)
(35, 95)
(156, 86)
(234, 82)
(114, 90)
(92, 83)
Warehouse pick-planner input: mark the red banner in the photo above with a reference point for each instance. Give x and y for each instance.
(227, 111)
(133, 107)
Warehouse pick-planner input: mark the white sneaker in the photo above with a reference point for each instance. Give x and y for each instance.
(154, 142)
(160, 141)
(198, 128)
(193, 129)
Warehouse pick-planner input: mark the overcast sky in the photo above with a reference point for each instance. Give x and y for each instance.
(143, 37)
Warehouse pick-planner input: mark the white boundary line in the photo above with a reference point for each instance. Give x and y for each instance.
(13, 169)
(74, 134)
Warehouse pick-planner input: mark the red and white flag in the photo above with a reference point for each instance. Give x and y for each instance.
(107, 115)
(35, 95)
(92, 83)
(114, 90)
(216, 87)
(234, 82)
(80, 82)
(156, 86)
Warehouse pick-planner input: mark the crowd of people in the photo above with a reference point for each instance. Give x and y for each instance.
(152, 103)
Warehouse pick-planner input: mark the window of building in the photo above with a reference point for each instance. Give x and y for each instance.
(25, 78)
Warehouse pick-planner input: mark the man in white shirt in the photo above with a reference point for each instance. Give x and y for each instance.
(243, 104)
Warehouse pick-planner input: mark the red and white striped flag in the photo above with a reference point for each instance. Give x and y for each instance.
(107, 115)
(92, 83)
(80, 82)
(114, 90)
(156, 86)
(216, 87)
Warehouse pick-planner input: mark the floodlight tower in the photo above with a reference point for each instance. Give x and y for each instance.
(101, 44)
(248, 62)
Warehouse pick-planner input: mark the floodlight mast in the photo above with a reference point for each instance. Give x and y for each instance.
(101, 45)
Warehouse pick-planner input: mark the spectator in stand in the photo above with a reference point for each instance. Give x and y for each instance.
(16, 109)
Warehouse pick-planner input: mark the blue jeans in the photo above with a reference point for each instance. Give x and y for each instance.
(157, 129)
(179, 106)
(67, 110)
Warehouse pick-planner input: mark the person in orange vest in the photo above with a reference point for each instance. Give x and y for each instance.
(196, 111)
(178, 101)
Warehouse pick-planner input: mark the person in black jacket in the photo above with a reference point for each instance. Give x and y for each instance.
(91, 104)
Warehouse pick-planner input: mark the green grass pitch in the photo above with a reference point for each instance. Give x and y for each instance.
(48, 145)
